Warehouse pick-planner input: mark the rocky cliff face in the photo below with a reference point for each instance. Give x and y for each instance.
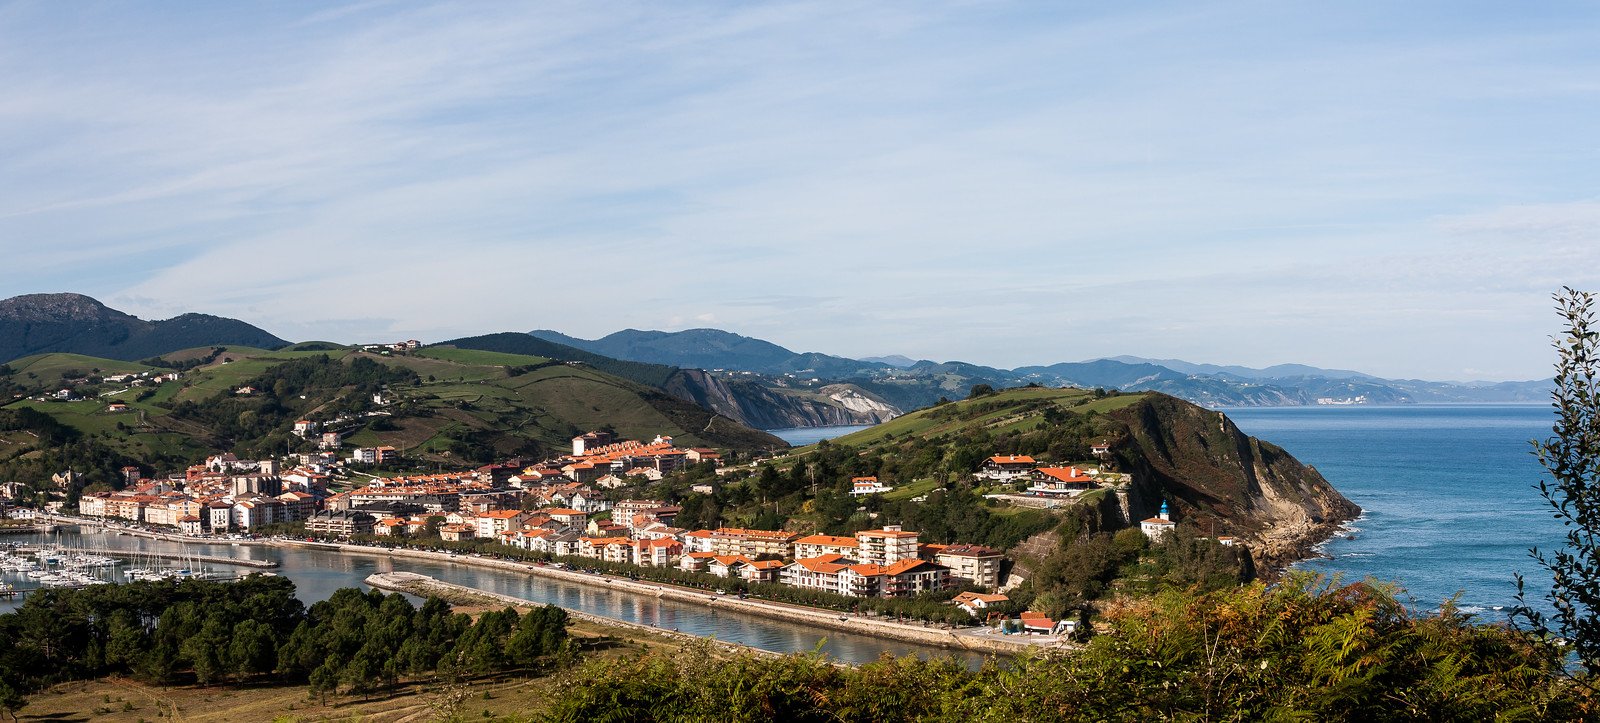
(761, 407)
(1224, 482)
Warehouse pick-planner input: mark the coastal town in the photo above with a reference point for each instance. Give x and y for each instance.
(574, 507)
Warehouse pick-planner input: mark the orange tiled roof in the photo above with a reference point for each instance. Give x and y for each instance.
(754, 534)
(1066, 474)
(829, 540)
(885, 533)
(1011, 459)
(968, 597)
(907, 565)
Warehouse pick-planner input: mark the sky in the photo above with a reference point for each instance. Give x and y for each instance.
(1396, 188)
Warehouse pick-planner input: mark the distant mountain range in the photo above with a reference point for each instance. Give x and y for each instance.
(713, 349)
(41, 323)
(756, 382)
(911, 384)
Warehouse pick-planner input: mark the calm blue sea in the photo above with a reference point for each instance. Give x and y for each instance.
(802, 436)
(1447, 490)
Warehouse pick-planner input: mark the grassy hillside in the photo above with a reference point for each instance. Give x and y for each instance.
(652, 375)
(1008, 410)
(48, 371)
(439, 405)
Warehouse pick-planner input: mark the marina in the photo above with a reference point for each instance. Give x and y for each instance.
(48, 563)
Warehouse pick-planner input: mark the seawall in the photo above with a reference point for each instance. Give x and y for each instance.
(423, 586)
(973, 639)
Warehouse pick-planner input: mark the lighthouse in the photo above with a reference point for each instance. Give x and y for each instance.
(1156, 527)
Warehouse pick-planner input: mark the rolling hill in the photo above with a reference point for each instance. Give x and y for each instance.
(438, 404)
(712, 349)
(759, 403)
(74, 323)
(1212, 475)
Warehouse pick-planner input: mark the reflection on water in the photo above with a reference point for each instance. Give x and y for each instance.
(317, 574)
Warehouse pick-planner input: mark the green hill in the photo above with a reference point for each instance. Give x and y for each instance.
(42, 323)
(1006, 411)
(442, 405)
(51, 371)
(1211, 475)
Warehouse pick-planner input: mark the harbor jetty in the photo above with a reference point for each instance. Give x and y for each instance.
(425, 586)
(979, 639)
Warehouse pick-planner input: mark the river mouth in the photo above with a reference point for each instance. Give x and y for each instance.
(318, 573)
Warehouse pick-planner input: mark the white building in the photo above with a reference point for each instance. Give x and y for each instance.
(862, 486)
(1157, 527)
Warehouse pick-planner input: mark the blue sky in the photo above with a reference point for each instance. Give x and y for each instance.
(1391, 189)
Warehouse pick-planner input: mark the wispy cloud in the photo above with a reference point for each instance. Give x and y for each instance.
(1390, 188)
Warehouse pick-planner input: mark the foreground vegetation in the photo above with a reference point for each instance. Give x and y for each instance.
(1302, 650)
(255, 631)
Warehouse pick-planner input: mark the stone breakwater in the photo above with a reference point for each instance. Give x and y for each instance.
(980, 640)
(27, 529)
(424, 586)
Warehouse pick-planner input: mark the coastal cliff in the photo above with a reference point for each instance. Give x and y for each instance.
(763, 407)
(1223, 482)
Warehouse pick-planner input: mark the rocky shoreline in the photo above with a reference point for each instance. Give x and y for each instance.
(1282, 547)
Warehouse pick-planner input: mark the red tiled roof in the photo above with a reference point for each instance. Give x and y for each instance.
(885, 533)
(1011, 459)
(828, 564)
(986, 598)
(908, 565)
(829, 540)
(1066, 474)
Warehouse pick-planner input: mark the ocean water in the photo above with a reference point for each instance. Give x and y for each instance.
(802, 436)
(1448, 493)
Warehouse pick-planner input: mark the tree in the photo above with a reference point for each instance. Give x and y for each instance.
(11, 699)
(980, 390)
(324, 680)
(1572, 459)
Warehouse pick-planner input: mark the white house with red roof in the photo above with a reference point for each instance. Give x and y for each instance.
(862, 486)
(1006, 468)
(975, 602)
(1063, 481)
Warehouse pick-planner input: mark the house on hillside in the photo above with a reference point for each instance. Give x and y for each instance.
(975, 602)
(1006, 468)
(862, 486)
(1057, 481)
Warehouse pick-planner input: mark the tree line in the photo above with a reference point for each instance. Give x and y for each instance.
(255, 630)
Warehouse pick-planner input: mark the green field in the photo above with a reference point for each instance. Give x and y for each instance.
(1014, 409)
(46, 371)
(482, 399)
(480, 358)
(915, 488)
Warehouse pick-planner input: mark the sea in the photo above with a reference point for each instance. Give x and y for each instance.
(1448, 492)
(1449, 495)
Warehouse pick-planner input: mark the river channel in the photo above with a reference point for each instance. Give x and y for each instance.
(317, 574)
